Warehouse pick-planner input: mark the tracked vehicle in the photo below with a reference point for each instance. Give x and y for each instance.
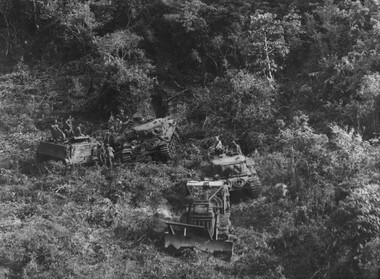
(206, 221)
(237, 172)
(77, 150)
(156, 138)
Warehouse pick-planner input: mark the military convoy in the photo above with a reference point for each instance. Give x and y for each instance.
(205, 223)
(77, 150)
(156, 138)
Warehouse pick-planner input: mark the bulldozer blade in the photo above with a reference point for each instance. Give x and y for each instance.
(218, 248)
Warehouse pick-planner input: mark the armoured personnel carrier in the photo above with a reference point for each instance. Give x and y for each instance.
(206, 221)
(77, 150)
(156, 138)
(237, 172)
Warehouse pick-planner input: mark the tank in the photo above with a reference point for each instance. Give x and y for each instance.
(77, 150)
(156, 138)
(237, 172)
(205, 223)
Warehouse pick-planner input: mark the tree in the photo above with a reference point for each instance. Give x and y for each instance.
(264, 43)
(240, 105)
(123, 74)
(340, 60)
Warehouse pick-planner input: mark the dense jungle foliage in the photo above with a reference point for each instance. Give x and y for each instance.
(295, 82)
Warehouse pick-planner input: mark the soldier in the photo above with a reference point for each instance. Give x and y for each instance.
(280, 191)
(134, 143)
(102, 153)
(112, 129)
(56, 132)
(96, 153)
(111, 120)
(109, 155)
(236, 150)
(78, 130)
(218, 146)
(125, 124)
(109, 139)
(149, 118)
(118, 124)
(226, 195)
(137, 119)
(122, 117)
(61, 133)
(69, 131)
(194, 149)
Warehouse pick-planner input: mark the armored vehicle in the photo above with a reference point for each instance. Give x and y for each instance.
(237, 172)
(205, 223)
(156, 138)
(77, 150)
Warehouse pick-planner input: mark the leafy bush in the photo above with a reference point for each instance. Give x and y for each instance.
(122, 72)
(370, 258)
(240, 103)
(356, 223)
(254, 257)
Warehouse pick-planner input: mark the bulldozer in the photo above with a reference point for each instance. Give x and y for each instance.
(156, 138)
(205, 223)
(77, 150)
(237, 172)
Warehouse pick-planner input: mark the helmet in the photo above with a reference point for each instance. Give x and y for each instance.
(137, 115)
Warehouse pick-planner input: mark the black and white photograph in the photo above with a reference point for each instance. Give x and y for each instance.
(189, 139)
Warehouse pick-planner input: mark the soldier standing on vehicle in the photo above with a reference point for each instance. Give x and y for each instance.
(69, 131)
(109, 155)
(149, 118)
(236, 150)
(134, 143)
(61, 133)
(126, 124)
(218, 145)
(78, 130)
(56, 132)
